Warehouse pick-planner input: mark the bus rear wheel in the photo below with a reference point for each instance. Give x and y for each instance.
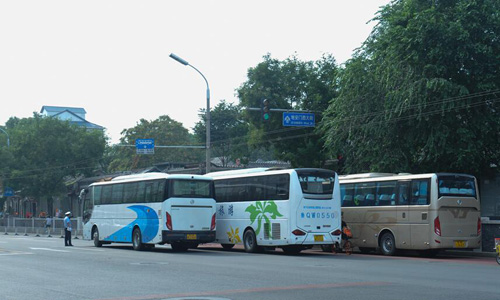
(388, 244)
(250, 242)
(137, 240)
(95, 236)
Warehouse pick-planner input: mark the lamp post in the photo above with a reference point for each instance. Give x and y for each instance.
(207, 112)
(8, 141)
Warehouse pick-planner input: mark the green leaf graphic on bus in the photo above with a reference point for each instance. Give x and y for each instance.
(263, 210)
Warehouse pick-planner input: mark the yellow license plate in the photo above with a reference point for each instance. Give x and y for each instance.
(318, 238)
(459, 244)
(191, 236)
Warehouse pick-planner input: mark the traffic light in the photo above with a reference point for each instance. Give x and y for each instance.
(264, 108)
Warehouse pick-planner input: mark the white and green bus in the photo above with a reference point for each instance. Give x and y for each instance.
(149, 209)
(292, 209)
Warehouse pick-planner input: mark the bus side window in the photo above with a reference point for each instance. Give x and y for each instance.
(403, 193)
(419, 192)
(347, 192)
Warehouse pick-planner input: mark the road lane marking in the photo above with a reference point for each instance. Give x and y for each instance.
(49, 249)
(257, 290)
(5, 252)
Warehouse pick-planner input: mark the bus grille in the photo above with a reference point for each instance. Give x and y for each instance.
(275, 231)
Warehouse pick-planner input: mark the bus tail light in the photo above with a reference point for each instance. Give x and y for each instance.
(298, 232)
(336, 232)
(437, 226)
(169, 221)
(478, 226)
(212, 225)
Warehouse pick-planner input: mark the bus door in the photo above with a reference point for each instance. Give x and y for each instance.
(419, 214)
(403, 229)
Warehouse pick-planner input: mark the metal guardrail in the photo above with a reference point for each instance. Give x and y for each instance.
(36, 226)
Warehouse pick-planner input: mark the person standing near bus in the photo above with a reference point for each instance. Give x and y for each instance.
(67, 229)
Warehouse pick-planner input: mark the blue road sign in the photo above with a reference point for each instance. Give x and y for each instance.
(8, 192)
(145, 146)
(298, 119)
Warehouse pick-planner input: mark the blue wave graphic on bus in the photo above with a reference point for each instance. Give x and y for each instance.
(147, 220)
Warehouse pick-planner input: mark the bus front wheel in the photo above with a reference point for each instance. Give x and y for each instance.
(137, 240)
(95, 236)
(388, 244)
(250, 242)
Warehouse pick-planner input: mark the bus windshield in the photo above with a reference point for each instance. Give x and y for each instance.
(181, 188)
(316, 181)
(456, 185)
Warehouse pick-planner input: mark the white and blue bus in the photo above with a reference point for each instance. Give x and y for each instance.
(292, 209)
(149, 209)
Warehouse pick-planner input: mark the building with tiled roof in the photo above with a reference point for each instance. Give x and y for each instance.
(75, 115)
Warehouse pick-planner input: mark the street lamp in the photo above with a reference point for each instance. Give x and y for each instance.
(8, 141)
(207, 112)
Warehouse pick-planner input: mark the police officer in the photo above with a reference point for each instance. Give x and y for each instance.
(67, 229)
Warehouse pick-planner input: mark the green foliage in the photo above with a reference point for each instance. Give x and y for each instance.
(228, 135)
(263, 210)
(421, 95)
(166, 132)
(289, 84)
(44, 151)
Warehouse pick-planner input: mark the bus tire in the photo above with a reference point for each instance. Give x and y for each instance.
(137, 240)
(95, 236)
(227, 246)
(250, 241)
(388, 244)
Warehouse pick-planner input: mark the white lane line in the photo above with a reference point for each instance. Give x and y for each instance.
(48, 249)
(87, 249)
(15, 253)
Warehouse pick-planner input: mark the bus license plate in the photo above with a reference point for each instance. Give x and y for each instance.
(191, 236)
(459, 244)
(318, 238)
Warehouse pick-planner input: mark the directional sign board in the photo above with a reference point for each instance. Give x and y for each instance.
(8, 192)
(145, 146)
(298, 119)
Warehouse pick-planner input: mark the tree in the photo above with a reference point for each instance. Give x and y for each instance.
(228, 133)
(46, 150)
(289, 84)
(166, 132)
(421, 94)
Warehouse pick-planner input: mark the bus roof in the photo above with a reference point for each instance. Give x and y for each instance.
(237, 172)
(367, 175)
(152, 176)
(260, 170)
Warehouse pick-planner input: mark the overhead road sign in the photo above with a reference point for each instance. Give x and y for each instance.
(292, 119)
(145, 146)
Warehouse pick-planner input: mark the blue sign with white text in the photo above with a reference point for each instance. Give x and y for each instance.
(298, 119)
(145, 146)
(8, 192)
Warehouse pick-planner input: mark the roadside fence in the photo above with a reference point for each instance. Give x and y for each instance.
(37, 227)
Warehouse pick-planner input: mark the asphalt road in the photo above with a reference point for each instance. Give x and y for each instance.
(42, 268)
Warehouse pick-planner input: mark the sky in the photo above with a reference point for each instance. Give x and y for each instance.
(112, 57)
